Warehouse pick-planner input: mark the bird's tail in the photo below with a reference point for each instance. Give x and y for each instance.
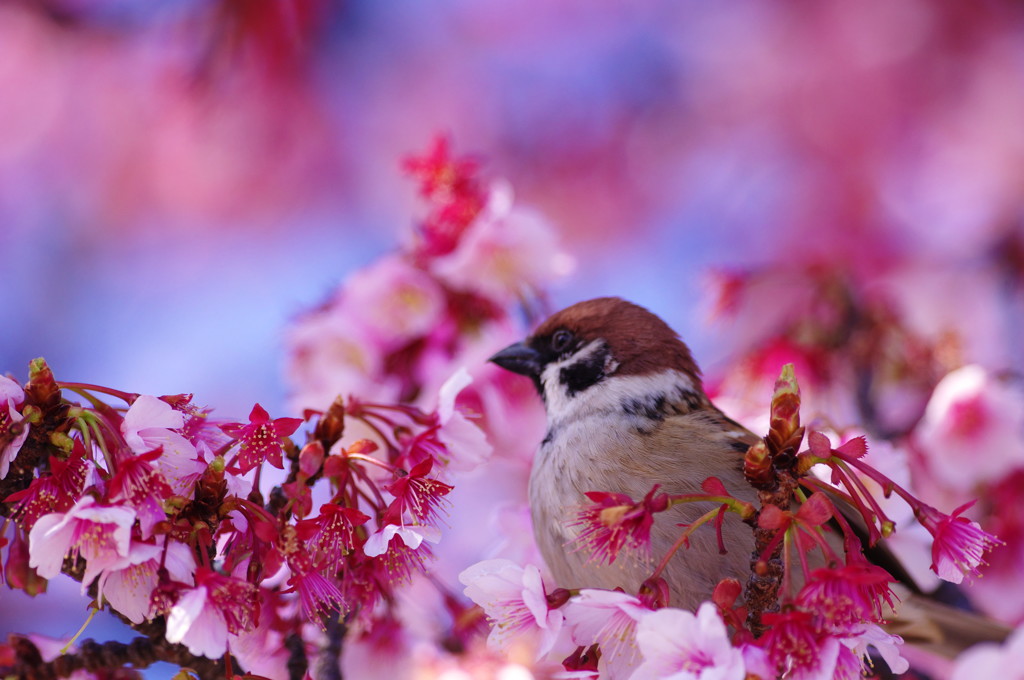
(940, 628)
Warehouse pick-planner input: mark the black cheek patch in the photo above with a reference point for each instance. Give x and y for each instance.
(659, 406)
(584, 373)
(651, 408)
(692, 400)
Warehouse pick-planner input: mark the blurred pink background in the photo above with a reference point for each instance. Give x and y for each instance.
(179, 180)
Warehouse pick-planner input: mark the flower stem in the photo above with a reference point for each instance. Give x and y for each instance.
(88, 620)
(83, 388)
(683, 540)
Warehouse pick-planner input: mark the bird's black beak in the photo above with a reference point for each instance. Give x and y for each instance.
(519, 358)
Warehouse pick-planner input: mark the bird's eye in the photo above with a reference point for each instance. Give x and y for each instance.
(561, 340)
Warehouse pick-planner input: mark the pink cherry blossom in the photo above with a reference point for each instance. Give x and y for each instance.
(848, 664)
(262, 651)
(146, 421)
(12, 432)
(848, 595)
(138, 484)
(320, 596)
(613, 522)
(330, 354)
(990, 660)
(973, 429)
(794, 643)
(678, 645)
(418, 497)
(129, 589)
(56, 492)
(205, 617)
(100, 534)
(412, 536)
(609, 619)
(331, 535)
(910, 543)
(887, 645)
(150, 423)
(959, 544)
(505, 254)
(261, 439)
(515, 600)
(394, 300)
(452, 185)
(466, 443)
(196, 623)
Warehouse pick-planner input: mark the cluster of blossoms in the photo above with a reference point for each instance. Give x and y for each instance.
(221, 537)
(810, 609)
(394, 327)
(160, 512)
(224, 539)
(921, 358)
(156, 508)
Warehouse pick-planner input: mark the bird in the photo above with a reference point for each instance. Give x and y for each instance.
(626, 409)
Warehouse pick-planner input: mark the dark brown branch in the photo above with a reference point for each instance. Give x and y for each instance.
(765, 580)
(330, 659)
(125, 659)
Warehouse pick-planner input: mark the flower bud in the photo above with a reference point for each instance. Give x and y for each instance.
(62, 441)
(311, 458)
(785, 413)
(726, 593)
(331, 426)
(41, 387)
(757, 466)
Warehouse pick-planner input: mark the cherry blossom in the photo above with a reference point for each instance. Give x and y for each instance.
(58, 491)
(128, 589)
(13, 432)
(151, 423)
(848, 595)
(452, 185)
(100, 534)
(263, 650)
(678, 645)
(614, 522)
(330, 354)
(610, 620)
(887, 645)
(417, 496)
(146, 423)
(331, 535)
(319, 595)
(412, 536)
(205, 617)
(465, 443)
(911, 543)
(505, 254)
(991, 660)
(144, 489)
(394, 300)
(796, 645)
(516, 602)
(261, 438)
(973, 428)
(959, 544)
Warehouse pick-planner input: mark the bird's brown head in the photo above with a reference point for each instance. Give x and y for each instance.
(590, 341)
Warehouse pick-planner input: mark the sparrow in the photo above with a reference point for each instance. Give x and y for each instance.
(626, 409)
